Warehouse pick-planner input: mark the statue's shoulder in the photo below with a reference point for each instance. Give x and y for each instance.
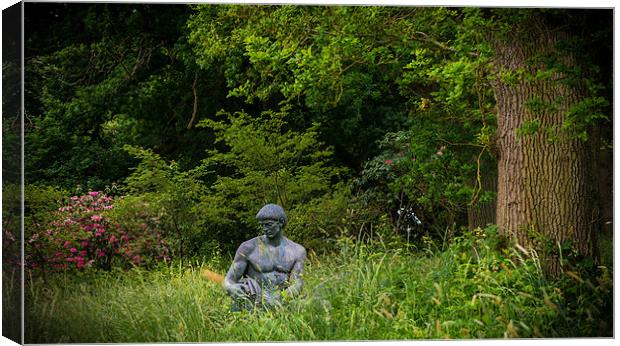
(247, 246)
(297, 248)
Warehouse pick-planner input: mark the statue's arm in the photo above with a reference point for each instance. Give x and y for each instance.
(238, 267)
(296, 277)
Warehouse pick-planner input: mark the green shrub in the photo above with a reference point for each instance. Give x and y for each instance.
(418, 171)
(40, 203)
(318, 223)
(263, 161)
(161, 191)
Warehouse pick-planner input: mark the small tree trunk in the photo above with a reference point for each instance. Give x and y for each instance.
(482, 214)
(545, 187)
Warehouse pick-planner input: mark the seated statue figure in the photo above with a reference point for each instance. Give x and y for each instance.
(267, 267)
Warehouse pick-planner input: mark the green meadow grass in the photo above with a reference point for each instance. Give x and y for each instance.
(366, 292)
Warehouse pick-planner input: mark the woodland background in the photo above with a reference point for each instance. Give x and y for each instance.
(449, 170)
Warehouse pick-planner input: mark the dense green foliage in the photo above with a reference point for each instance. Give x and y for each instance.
(469, 291)
(376, 84)
(374, 127)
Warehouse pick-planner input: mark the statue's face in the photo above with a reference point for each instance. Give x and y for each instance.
(272, 228)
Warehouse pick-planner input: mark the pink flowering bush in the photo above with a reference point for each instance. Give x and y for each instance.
(81, 235)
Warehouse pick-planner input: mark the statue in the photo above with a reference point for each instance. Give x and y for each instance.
(266, 268)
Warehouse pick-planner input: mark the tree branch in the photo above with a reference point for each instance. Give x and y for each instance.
(195, 111)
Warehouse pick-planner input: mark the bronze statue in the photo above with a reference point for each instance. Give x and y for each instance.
(266, 268)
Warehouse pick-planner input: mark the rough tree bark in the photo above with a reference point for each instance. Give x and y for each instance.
(545, 187)
(480, 215)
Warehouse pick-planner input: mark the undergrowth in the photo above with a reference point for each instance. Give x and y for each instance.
(365, 292)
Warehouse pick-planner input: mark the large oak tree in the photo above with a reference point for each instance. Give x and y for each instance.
(550, 106)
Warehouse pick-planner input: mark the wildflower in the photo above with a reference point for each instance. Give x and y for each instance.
(100, 253)
(73, 250)
(441, 149)
(388, 162)
(95, 218)
(83, 253)
(66, 244)
(84, 244)
(94, 193)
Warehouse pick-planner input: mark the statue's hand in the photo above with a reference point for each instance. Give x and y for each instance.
(236, 291)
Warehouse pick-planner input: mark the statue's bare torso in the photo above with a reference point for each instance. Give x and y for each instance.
(271, 266)
(267, 267)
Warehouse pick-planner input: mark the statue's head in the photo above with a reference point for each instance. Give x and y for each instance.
(272, 219)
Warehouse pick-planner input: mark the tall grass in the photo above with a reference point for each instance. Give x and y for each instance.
(366, 292)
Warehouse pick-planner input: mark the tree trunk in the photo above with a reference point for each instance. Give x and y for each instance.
(546, 187)
(480, 215)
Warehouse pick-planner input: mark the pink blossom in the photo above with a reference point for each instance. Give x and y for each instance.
(101, 253)
(108, 207)
(73, 250)
(80, 265)
(83, 253)
(84, 244)
(94, 193)
(67, 244)
(112, 239)
(388, 162)
(95, 217)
